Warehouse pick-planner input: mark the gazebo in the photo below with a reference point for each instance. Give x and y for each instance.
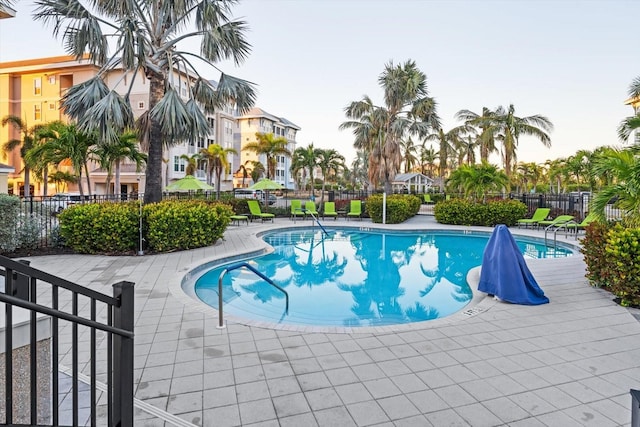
(411, 183)
(5, 170)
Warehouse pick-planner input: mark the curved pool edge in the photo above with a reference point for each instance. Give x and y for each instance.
(480, 302)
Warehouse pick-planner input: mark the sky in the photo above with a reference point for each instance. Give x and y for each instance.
(571, 61)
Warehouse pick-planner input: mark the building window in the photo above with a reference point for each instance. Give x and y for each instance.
(140, 105)
(200, 142)
(37, 112)
(52, 106)
(52, 80)
(37, 86)
(178, 164)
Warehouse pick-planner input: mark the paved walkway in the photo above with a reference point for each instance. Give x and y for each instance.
(567, 363)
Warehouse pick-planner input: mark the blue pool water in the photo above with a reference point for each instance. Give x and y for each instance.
(357, 278)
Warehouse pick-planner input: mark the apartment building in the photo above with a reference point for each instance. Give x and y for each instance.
(32, 89)
(258, 120)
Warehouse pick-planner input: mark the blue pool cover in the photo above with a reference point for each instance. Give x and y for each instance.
(504, 272)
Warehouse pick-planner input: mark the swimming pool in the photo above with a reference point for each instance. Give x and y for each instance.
(355, 278)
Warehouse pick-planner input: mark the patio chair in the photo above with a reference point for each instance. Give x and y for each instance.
(427, 199)
(310, 208)
(539, 215)
(296, 209)
(575, 227)
(558, 221)
(254, 210)
(355, 209)
(330, 210)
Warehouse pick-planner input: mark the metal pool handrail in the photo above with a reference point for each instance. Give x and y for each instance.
(262, 276)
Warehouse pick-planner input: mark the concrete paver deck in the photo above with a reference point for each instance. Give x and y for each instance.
(570, 362)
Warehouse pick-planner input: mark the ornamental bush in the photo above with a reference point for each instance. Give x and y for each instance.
(465, 212)
(595, 257)
(180, 225)
(623, 260)
(101, 227)
(9, 213)
(400, 207)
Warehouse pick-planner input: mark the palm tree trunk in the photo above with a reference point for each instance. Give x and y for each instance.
(88, 178)
(45, 179)
(117, 183)
(27, 183)
(153, 181)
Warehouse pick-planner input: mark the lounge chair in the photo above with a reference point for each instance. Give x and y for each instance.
(355, 209)
(254, 210)
(330, 210)
(296, 209)
(310, 208)
(539, 215)
(427, 199)
(557, 222)
(573, 226)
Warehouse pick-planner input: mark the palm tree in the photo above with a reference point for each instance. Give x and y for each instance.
(359, 171)
(476, 181)
(447, 142)
(330, 163)
(217, 161)
(428, 158)
(67, 143)
(305, 159)
(192, 163)
(257, 170)
(408, 110)
(111, 154)
(146, 36)
(624, 166)
(409, 158)
(488, 130)
(26, 142)
(271, 147)
(244, 171)
(631, 123)
(511, 127)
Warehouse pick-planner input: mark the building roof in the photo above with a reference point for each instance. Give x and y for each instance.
(256, 113)
(46, 63)
(404, 177)
(6, 168)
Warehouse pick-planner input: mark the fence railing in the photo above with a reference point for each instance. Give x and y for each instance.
(90, 331)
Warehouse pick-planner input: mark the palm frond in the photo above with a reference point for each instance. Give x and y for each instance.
(81, 97)
(109, 117)
(171, 113)
(225, 42)
(205, 94)
(235, 90)
(199, 123)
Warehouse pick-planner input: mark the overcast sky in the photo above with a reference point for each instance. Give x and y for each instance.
(571, 61)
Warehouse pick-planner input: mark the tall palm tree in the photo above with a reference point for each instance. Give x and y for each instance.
(257, 170)
(26, 142)
(271, 147)
(487, 129)
(447, 141)
(217, 161)
(305, 160)
(359, 171)
(409, 151)
(428, 158)
(511, 127)
(407, 110)
(631, 123)
(330, 163)
(244, 172)
(146, 37)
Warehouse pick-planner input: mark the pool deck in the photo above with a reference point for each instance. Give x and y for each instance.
(571, 362)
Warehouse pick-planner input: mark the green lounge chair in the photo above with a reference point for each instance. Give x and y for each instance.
(427, 199)
(558, 221)
(296, 209)
(330, 210)
(310, 208)
(254, 210)
(355, 209)
(539, 215)
(575, 227)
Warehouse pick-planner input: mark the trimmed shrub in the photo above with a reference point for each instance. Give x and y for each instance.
(185, 225)
(399, 207)
(623, 259)
(464, 212)
(595, 257)
(9, 213)
(101, 227)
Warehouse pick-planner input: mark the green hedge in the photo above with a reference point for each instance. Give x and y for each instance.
(185, 225)
(101, 227)
(399, 207)
(9, 213)
(167, 226)
(465, 212)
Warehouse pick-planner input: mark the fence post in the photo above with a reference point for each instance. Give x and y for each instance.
(123, 355)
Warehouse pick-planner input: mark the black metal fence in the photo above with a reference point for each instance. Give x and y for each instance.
(91, 331)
